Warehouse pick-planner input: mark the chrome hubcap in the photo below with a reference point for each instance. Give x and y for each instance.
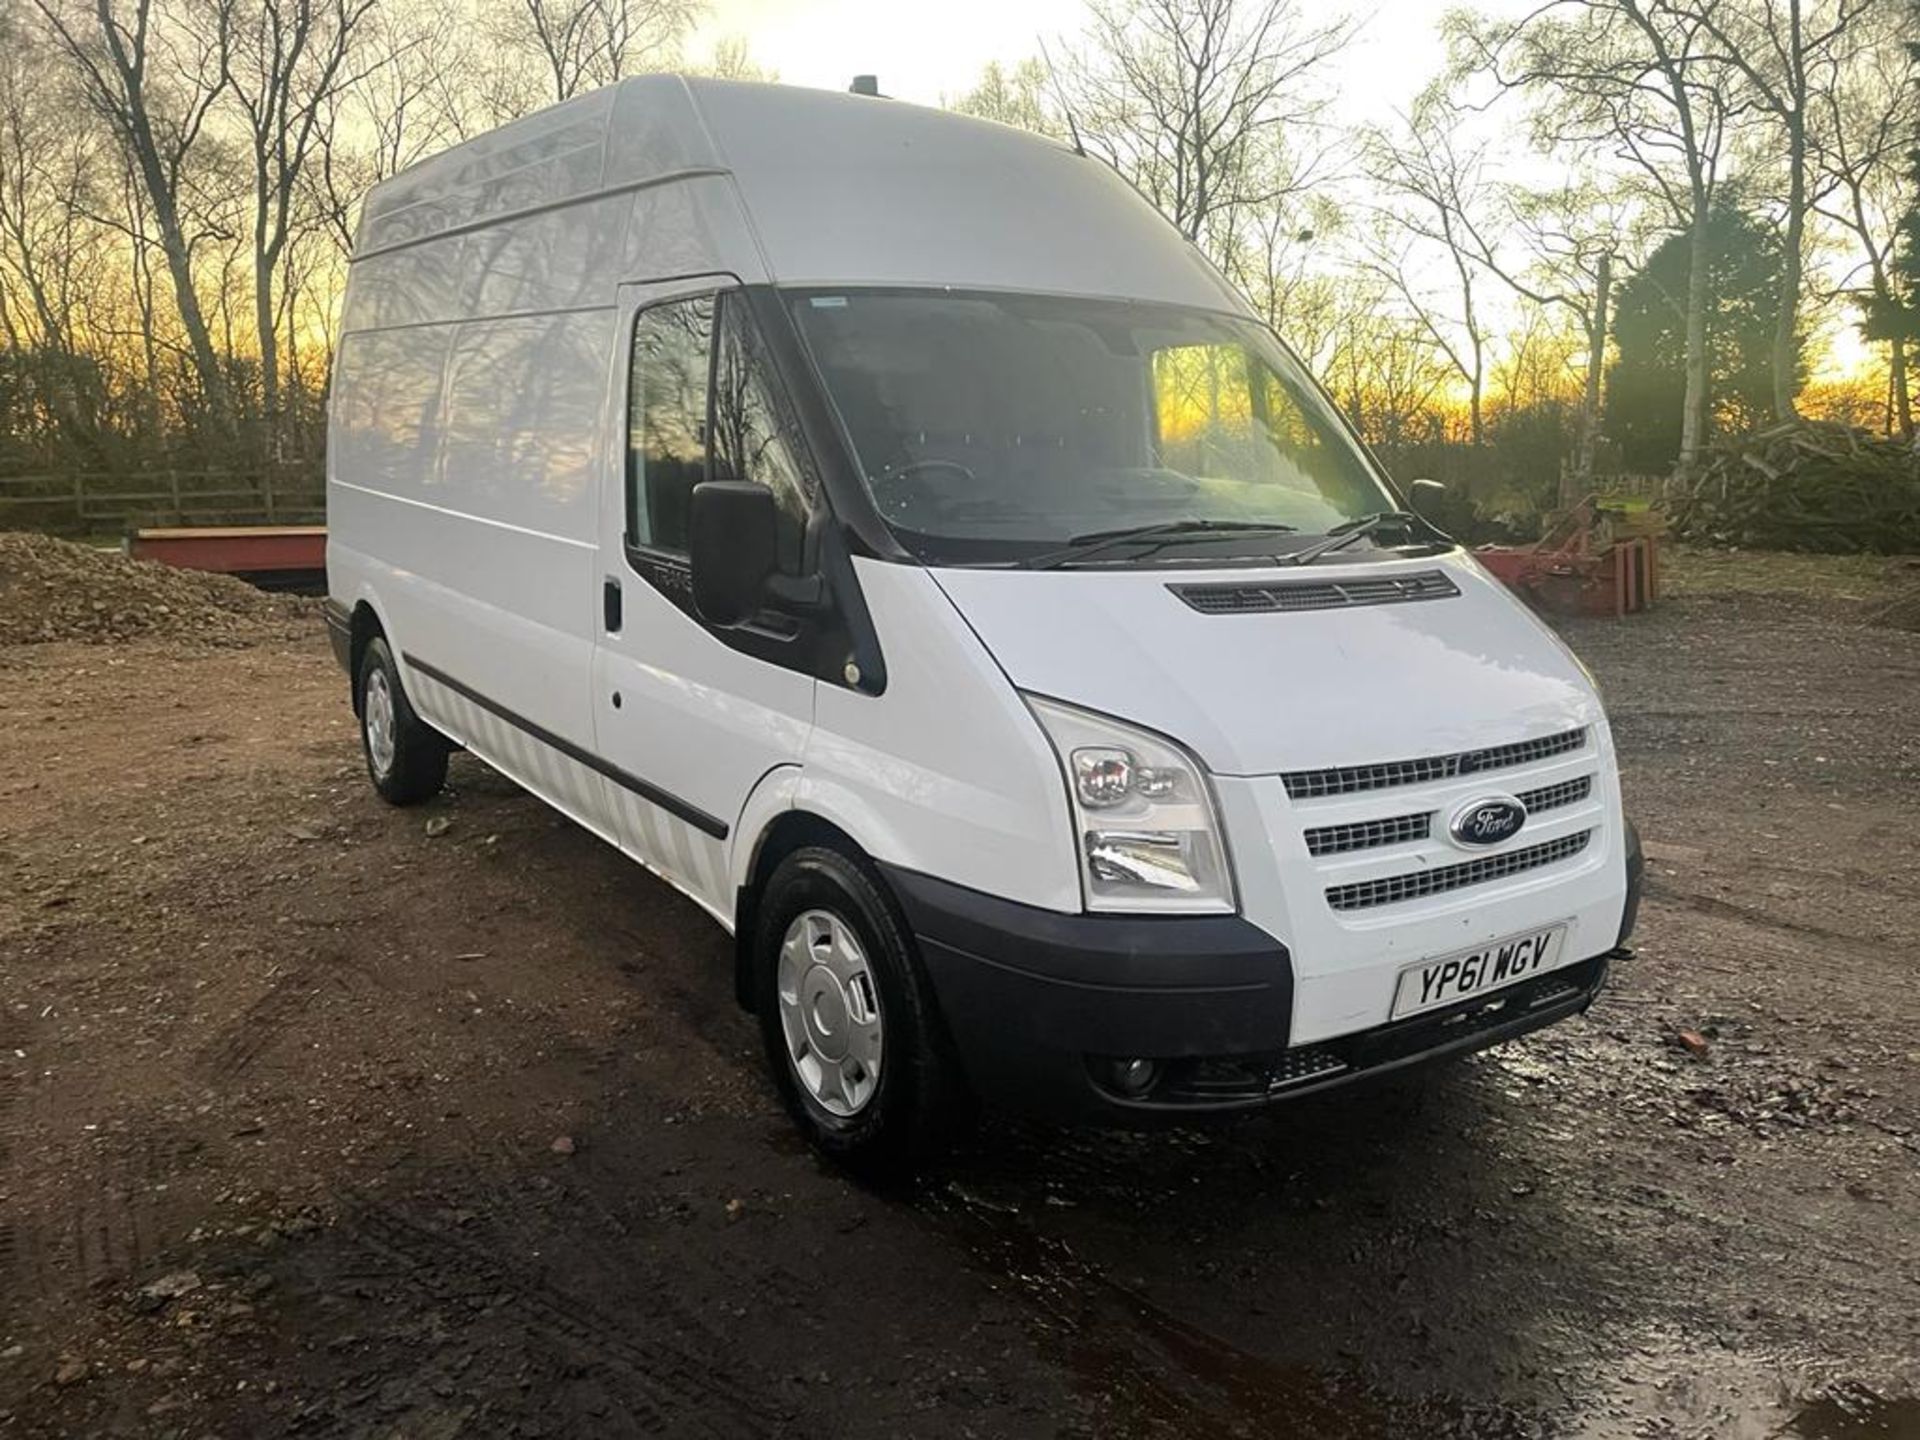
(376, 718)
(830, 1013)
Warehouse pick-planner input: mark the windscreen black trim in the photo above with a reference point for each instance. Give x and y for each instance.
(646, 790)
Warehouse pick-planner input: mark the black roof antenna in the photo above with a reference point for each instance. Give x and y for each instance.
(865, 85)
(1066, 109)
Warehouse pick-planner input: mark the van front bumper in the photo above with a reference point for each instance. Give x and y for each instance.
(1040, 1006)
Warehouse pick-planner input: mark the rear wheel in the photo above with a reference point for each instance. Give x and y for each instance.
(846, 1014)
(406, 758)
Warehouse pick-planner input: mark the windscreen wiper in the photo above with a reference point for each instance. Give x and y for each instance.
(1095, 542)
(1347, 532)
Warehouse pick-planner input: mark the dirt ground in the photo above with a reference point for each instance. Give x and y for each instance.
(318, 1118)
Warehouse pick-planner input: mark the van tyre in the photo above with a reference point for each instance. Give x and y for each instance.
(852, 1036)
(406, 759)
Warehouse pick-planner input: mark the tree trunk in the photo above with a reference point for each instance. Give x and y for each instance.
(1596, 367)
(1698, 398)
(263, 266)
(1787, 322)
(1785, 351)
(1902, 396)
(173, 245)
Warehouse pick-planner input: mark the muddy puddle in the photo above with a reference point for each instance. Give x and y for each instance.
(1014, 1209)
(1856, 1413)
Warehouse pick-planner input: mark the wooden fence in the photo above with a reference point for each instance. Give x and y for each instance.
(90, 503)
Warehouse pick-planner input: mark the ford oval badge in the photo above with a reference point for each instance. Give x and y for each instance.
(1487, 821)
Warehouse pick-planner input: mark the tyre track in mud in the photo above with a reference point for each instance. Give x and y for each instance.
(665, 1387)
(241, 1040)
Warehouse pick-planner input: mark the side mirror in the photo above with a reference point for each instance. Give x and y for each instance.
(732, 549)
(1426, 497)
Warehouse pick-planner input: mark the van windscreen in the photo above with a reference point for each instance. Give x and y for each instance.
(992, 428)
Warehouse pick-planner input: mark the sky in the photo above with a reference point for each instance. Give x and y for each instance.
(931, 50)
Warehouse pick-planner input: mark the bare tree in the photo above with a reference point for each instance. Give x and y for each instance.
(1436, 179)
(1560, 249)
(1016, 95)
(580, 45)
(291, 61)
(1387, 378)
(1860, 141)
(154, 80)
(395, 107)
(48, 250)
(1786, 54)
(1204, 104)
(49, 254)
(43, 161)
(1288, 262)
(1536, 366)
(1646, 79)
(732, 59)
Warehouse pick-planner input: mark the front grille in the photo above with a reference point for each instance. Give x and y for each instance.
(1552, 797)
(1349, 779)
(1298, 1066)
(1288, 595)
(1392, 889)
(1367, 834)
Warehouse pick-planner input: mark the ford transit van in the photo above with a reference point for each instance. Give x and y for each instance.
(885, 528)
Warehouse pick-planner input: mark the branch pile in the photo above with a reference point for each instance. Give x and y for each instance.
(1805, 485)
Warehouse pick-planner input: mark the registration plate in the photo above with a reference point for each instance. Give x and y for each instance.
(1433, 983)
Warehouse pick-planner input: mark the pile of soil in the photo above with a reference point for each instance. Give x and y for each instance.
(56, 590)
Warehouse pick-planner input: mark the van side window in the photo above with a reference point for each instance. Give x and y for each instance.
(678, 437)
(752, 430)
(667, 419)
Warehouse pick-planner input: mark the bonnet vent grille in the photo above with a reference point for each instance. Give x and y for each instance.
(1279, 595)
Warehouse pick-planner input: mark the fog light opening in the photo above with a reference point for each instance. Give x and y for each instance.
(1134, 1077)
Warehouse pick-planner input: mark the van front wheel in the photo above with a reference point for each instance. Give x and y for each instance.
(846, 1014)
(406, 758)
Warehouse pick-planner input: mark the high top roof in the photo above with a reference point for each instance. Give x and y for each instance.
(835, 189)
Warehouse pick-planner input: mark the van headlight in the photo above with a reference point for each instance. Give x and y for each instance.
(1148, 833)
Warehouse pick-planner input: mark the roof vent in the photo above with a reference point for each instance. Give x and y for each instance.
(1272, 595)
(865, 85)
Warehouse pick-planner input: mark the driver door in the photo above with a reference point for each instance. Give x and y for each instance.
(691, 723)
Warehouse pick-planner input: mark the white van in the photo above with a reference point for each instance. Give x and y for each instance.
(885, 528)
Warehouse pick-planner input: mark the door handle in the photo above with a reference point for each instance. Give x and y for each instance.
(610, 605)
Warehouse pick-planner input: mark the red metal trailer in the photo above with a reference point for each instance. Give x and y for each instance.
(1582, 566)
(277, 556)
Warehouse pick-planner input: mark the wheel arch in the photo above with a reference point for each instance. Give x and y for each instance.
(363, 626)
(366, 621)
(788, 831)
